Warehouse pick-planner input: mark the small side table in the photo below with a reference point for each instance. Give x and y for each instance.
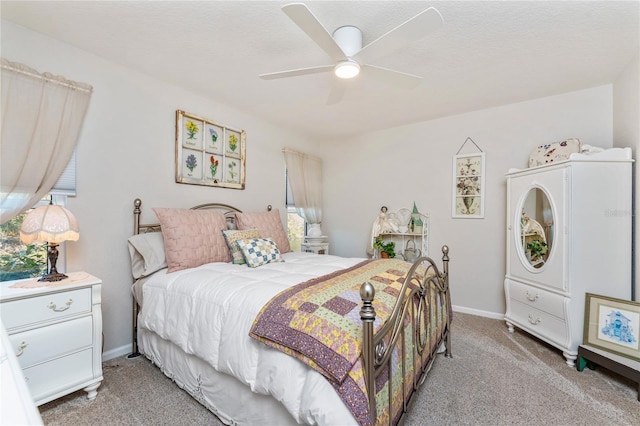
(626, 367)
(55, 330)
(321, 248)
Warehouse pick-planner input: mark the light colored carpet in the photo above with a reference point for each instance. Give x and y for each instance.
(494, 378)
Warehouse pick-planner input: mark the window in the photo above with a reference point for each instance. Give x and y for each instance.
(18, 260)
(296, 224)
(295, 229)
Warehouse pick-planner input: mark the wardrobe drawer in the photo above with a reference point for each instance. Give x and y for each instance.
(45, 343)
(545, 301)
(546, 326)
(50, 378)
(49, 307)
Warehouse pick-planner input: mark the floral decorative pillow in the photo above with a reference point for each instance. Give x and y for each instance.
(553, 152)
(232, 237)
(259, 251)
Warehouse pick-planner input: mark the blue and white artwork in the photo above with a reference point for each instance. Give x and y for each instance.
(617, 327)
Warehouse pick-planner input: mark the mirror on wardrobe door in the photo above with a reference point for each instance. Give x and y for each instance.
(536, 227)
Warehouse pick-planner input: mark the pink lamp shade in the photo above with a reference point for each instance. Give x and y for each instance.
(50, 223)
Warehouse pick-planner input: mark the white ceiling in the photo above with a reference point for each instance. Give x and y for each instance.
(486, 54)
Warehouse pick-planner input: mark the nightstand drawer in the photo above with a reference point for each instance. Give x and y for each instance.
(539, 299)
(59, 374)
(45, 343)
(50, 307)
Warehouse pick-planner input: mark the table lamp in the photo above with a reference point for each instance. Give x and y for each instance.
(52, 224)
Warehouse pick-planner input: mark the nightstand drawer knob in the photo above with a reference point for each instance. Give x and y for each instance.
(54, 308)
(21, 348)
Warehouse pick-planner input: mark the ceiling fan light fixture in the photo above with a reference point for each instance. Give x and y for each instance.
(347, 69)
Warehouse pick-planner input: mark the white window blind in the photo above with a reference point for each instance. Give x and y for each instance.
(289, 200)
(66, 184)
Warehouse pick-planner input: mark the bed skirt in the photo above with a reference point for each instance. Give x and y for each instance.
(230, 400)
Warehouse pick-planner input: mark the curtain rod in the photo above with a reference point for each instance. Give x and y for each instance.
(293, 151)
(24, 69)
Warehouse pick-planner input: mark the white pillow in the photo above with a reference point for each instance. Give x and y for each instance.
(147, 254)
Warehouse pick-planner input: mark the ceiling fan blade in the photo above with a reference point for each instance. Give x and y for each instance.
(414, 29)
(296, 72)
(392, 77)
(302, 16)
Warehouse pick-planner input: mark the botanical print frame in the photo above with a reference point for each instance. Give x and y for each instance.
(612, 325)
(209, 153)
(468, 186)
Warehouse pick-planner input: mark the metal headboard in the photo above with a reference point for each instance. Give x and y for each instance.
(141, 228)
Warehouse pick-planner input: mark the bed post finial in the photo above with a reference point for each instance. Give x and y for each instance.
(368, 316)
(136, 215)
(445, 263)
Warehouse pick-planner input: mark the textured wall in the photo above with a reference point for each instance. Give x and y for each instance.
(396, 167)
(127, 150)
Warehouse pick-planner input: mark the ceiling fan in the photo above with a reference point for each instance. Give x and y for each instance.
(345, 48)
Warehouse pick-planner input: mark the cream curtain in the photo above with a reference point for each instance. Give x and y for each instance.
(305, 180)
(42, 115)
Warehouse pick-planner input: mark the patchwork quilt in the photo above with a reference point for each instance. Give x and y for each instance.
(318, 322)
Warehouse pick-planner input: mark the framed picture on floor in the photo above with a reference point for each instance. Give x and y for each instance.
(612, 325)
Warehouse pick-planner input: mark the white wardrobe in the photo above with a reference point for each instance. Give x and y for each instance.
(568, 233)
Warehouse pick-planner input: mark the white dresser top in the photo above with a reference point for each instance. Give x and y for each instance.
(8, 291)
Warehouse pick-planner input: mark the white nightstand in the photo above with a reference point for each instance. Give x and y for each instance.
(321, 248)
(56, 332)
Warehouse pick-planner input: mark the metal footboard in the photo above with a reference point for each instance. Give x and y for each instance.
(415, 304)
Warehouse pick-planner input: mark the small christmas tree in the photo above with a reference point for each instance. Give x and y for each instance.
(416, 224)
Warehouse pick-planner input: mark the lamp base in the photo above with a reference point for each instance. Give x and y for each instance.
(52, 277)
(52, 258)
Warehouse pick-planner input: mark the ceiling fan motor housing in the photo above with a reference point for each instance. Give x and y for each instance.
(349, 38)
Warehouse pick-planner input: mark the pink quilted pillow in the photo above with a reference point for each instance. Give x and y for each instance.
(268, 223)
(192, 237)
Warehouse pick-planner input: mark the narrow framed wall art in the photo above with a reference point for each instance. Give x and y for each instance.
(209, 153)
(468, 186)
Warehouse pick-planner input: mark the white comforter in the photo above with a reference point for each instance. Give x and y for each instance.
(208, 311)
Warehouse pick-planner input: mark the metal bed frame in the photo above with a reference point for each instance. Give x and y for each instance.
(377, 348)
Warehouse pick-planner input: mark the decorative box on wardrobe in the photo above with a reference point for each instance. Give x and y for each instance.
(581, 209)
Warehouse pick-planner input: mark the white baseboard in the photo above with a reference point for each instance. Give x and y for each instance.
(117, 352)
(471, 311)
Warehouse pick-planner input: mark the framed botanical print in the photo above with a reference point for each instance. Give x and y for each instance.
(468, 186)
(209, 153)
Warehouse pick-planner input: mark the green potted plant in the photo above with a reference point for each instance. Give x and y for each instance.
(387, 250)
(538, 248)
